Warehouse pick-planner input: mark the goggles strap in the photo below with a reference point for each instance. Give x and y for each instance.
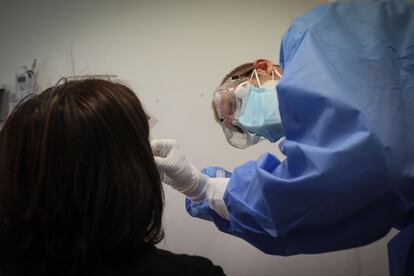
(277, 73)
(254, 73)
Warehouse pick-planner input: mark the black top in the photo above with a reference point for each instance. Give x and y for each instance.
(151, 261)
(162, 262)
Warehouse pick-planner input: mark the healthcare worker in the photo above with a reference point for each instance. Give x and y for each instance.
(346, 104)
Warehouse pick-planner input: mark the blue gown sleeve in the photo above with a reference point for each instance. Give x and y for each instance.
(346, 104)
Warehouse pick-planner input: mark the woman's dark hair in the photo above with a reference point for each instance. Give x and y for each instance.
(79, 189)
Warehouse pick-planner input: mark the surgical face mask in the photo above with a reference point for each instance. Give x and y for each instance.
(270, 83)
(248, 113)
(261, 112)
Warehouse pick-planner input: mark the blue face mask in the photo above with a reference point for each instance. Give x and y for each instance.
(260, 114)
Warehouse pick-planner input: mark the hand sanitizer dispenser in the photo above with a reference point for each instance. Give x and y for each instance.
(25, 82)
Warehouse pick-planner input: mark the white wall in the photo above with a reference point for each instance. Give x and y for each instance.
(173, 54)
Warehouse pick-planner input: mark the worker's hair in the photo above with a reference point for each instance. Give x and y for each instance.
(79, 189)
(244, 70)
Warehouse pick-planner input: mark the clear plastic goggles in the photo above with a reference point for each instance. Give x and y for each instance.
(239, 137)
(229, 100)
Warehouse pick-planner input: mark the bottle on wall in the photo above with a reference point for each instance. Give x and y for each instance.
(26, 82)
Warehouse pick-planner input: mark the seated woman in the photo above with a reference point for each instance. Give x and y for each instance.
(80, 192)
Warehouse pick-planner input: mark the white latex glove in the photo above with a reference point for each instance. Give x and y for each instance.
(176, 171)
(215, 190)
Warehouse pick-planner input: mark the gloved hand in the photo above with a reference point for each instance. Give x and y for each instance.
(176, 171)
(215, 189)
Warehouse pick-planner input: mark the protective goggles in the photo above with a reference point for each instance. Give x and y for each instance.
(229, 101)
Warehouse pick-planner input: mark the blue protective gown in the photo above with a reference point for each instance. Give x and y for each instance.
(347, 107)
